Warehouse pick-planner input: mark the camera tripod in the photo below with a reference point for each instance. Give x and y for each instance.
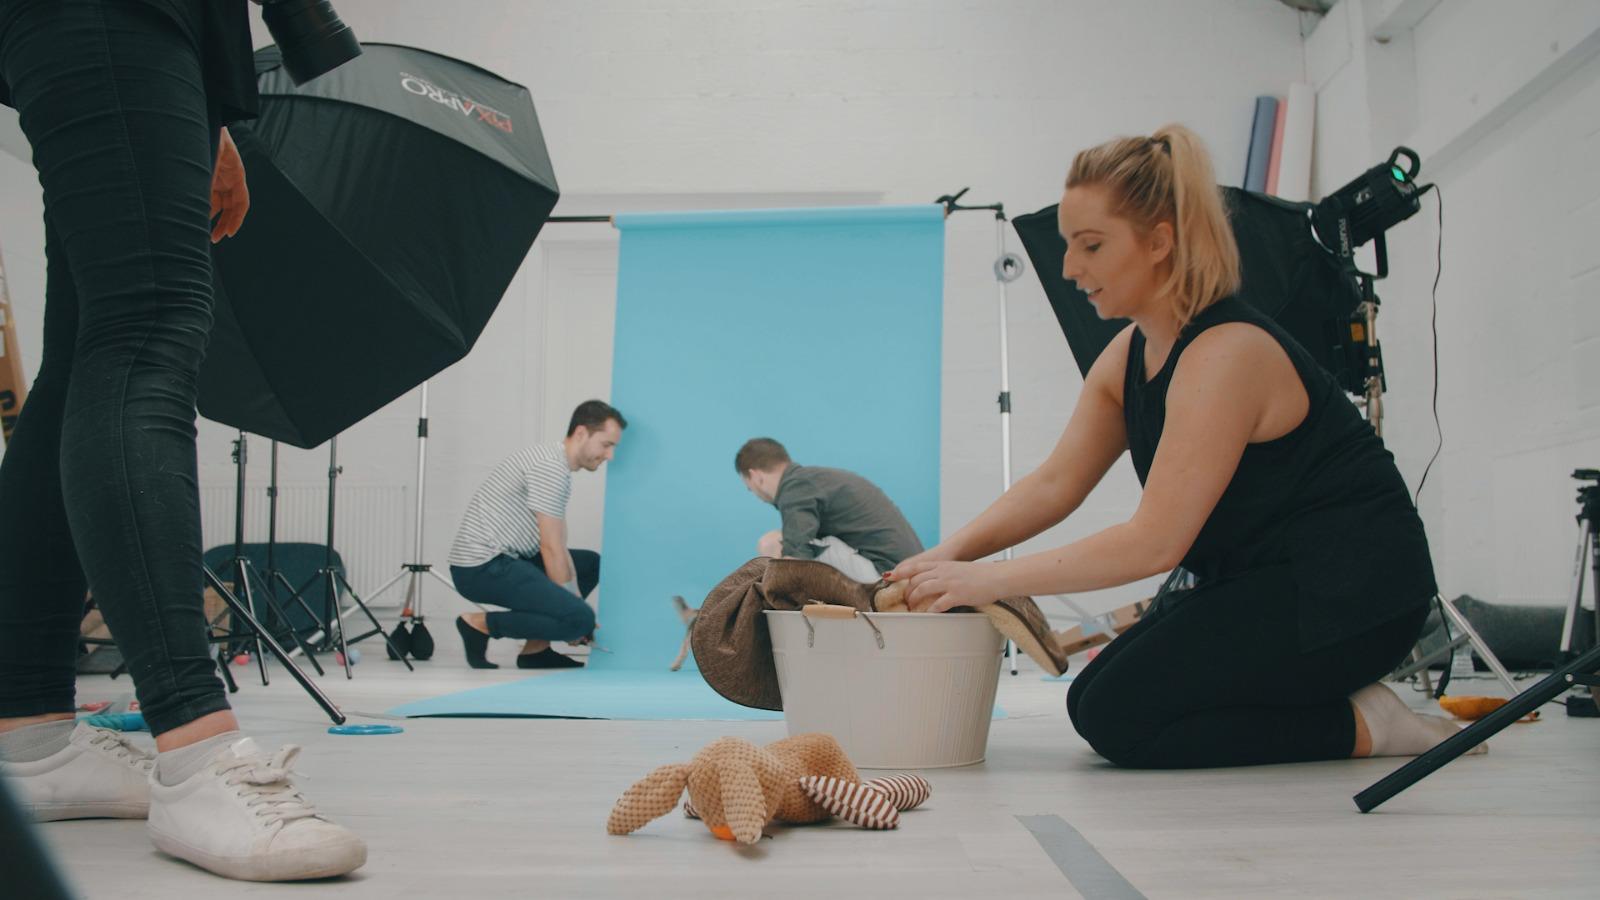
(1580, 670)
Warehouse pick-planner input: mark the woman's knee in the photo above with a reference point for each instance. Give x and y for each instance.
(1103, 719)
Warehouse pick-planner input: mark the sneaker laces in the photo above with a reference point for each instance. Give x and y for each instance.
(264, 782)
(119, 747)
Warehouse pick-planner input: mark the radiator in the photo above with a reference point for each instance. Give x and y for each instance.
(370, 534)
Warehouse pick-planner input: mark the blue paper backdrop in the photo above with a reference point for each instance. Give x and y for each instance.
(821, 328)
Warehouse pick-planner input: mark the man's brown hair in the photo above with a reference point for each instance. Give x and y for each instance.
(761, 454)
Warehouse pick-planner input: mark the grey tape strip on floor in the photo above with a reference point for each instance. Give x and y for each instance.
(1089, 872)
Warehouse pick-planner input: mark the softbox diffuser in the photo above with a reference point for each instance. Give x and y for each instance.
(1286, 275)
(391, 203)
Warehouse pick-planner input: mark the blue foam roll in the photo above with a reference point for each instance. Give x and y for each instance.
(1260, 159)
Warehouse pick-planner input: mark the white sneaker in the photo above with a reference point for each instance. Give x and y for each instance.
(242, 817)
(99, 774)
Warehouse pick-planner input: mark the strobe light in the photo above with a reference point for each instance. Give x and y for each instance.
(1375, 201)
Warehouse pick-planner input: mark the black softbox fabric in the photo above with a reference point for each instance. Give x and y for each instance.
(391, 203)
(1286, 275)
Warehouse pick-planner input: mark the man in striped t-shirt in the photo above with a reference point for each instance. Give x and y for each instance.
(512, 550)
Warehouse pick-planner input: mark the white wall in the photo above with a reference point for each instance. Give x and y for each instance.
(1503, 102)
(650, 104)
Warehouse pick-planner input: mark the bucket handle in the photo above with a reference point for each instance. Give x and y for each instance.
(832, 610)
(875, 632)
(816, 609)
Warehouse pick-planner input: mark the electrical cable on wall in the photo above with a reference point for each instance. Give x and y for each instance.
(1433, 323)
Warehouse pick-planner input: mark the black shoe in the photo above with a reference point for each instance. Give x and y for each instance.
(475, 642)
(546, 659)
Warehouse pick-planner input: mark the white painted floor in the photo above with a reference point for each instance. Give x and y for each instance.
(486, 808)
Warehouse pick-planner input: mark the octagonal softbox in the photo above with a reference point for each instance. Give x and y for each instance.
(391, 203)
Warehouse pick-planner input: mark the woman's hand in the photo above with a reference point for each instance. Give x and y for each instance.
(230, 195)
(940, 585)
(904, 570)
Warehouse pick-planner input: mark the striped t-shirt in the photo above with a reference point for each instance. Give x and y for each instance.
(500, 518)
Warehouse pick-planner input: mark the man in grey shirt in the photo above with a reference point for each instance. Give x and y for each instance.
(830, 515)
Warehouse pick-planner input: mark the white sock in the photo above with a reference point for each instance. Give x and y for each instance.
(177, 766)
(31, 743)
(1395, 729)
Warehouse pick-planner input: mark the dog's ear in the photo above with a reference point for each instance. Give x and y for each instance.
(649, 799)
(743, 803)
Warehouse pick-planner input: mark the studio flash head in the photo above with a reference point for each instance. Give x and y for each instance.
(1377, 200)
(310, 35)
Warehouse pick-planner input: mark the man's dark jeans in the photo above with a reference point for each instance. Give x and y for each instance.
(539, 609)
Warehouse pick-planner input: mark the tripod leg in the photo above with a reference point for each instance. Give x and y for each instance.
(389, 584)
(227, 675)
(277, 650)
(1479, 644)
(1476, 733)
(1579, 569)
(241, 584)
(278, 614)
(336, 621)
(444, 581)
(376, 627)
(300, 600)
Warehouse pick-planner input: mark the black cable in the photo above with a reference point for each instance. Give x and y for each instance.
(1434, 325)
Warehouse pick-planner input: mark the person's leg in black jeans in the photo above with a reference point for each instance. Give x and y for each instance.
(101, 472)
(112, 100)
(1218, 679)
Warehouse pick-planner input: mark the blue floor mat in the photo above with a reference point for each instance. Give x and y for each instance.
(595, 694)
(591, 694)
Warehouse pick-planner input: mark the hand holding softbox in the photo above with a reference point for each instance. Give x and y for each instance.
(391, 203)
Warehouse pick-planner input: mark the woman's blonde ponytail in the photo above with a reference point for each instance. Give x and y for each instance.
(1168, 177)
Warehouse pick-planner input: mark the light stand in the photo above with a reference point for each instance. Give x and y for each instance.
(243, 568)
(416, 641)
(1362, 211)
(245, 613)
(240, 613)
(1588, 515)
(332, 578)
(1007, 268)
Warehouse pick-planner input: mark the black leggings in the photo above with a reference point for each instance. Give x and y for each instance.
(1215, 677)
(98, 487)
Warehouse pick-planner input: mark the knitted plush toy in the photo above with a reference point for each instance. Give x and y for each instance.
(737, 788)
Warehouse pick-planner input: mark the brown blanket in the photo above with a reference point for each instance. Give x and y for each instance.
(734, 651)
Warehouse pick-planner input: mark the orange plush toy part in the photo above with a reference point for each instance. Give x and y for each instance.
(737, 788)
(1475, 708)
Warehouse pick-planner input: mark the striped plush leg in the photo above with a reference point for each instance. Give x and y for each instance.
(904, 791)
(852, 801)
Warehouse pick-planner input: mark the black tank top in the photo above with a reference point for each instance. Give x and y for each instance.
(1324, 501)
